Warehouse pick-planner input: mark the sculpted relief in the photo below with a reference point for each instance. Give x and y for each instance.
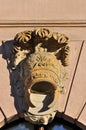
(26, 42)
(38, 61)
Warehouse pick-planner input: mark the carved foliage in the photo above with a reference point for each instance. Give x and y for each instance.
(25, 43)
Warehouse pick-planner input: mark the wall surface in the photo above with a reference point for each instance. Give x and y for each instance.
(63, 16)
(42, 10)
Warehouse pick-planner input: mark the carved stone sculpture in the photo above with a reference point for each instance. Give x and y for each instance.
(40, 56)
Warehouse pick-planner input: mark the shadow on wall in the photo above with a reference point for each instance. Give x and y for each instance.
(16, 91)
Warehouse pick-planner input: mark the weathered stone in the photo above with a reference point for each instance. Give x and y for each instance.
(39, 73)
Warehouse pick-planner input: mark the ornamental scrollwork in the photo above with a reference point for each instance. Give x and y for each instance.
(25, 43)
(39, 58)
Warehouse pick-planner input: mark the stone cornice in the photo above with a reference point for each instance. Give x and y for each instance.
(42, 23)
